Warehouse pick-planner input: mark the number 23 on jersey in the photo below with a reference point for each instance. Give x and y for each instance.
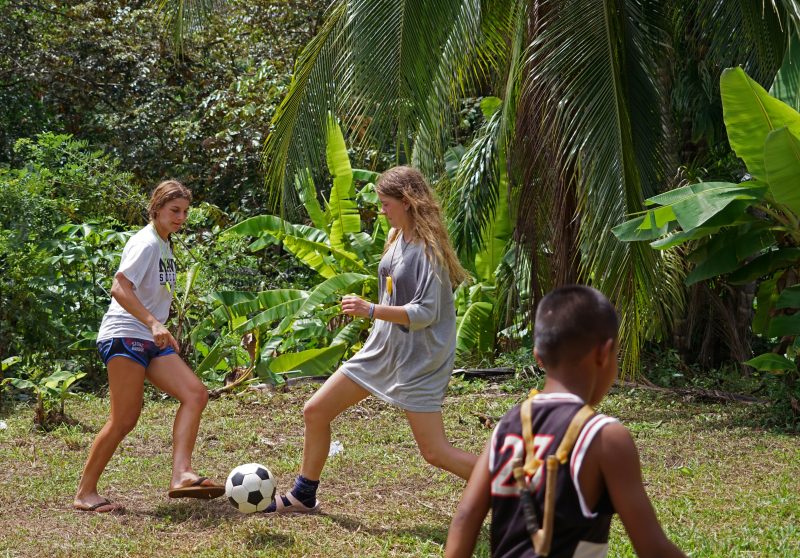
(501, 461)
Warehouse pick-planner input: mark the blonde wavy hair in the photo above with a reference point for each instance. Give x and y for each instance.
(409, 186)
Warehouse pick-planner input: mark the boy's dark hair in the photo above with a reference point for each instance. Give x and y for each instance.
(572, 320)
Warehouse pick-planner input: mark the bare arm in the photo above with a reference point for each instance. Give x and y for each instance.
(471, 511)
(123, 292)
(621, 471)
(357, 306)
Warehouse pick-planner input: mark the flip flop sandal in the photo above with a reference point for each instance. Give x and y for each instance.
(295, 505)
(198, 490)
(114, 508)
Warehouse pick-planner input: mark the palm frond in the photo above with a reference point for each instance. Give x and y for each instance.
(181, 17)
(390, 70)
(296, 141)
(744, 33)
(591, 96)
(475, 188)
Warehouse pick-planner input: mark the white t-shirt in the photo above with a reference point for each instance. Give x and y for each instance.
(147, 262)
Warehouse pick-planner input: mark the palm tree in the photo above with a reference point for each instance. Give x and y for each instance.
(183, 16)
(583, 130)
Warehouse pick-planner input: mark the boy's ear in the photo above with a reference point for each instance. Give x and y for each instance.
(538, 358)
(605, 351)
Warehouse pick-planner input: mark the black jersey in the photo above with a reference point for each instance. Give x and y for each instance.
(577, 530)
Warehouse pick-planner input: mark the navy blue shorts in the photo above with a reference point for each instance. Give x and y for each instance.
(140, 350)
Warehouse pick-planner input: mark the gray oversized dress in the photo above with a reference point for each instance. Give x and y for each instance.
(410, 366)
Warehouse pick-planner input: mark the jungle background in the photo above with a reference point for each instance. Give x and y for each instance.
(647, 148)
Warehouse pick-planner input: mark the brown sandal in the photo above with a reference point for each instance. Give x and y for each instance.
(198, 490)
(98, 507)
(295, 505)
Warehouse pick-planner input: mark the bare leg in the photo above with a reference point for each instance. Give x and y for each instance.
(332, 399)
(170, 374)
(437, 450)
(126, 384)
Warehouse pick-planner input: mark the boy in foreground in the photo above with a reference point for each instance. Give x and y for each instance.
(554, 471)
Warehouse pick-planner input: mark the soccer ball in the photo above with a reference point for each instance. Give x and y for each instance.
(250, 488)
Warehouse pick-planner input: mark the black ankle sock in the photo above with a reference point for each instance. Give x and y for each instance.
(304, 490)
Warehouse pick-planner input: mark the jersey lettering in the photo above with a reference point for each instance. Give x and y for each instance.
(167, 272)
(503, 483)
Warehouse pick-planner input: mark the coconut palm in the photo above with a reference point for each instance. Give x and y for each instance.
(599, 101)
(583, 130)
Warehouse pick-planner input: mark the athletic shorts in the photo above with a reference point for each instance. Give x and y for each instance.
(140, 350)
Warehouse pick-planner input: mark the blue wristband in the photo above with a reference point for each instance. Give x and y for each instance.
(371, 310)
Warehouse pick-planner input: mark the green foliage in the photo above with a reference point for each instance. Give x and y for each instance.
(107, 73)
(484, 308)
(293, 332)
(748, 231)
(574, 112)
(51, 393)
(54, 276)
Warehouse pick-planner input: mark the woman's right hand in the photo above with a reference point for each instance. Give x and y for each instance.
(353, 305)
(163, 338)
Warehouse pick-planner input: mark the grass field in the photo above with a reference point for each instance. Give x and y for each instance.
(721, 485)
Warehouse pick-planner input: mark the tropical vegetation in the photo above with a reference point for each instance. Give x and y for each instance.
(748, 232)
(598, 104)
(542, 126)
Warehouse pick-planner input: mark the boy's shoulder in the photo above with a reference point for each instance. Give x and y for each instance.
(542, 401)
(555, 412)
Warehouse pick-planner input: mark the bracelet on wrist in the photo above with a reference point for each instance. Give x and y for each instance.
(371, 310)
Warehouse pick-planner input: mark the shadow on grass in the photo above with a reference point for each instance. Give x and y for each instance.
(193, 510)
(652, 410)
(428, 533)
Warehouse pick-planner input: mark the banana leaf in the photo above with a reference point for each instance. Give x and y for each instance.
(349, 334)
(691, 206)
(782, 163)
(345, 217)
(476, 328)
(771, 362)
(789, 298)
(272, 314)
(784, 325)
(311, 362)
(342, 283)
(765, 264)
(304, 183)
(718, 263)
(263, 300)
(766, 298)
(750, 114)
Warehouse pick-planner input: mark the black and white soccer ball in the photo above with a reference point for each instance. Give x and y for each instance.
(250, 488)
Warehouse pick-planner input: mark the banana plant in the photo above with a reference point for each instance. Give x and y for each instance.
(302, 332)
(51, 393)
(480, 306)
(747, 231)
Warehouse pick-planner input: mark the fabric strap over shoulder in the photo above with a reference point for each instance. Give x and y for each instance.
(541, 532)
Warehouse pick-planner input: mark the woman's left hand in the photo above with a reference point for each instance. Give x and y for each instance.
(355, 306)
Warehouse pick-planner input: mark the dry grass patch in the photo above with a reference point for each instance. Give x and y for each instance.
(721, 488)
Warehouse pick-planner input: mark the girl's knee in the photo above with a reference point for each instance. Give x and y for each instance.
(314, 413)
(197, 397)
(121, 426)
(439, 452)
(194, 395)
(433, 454)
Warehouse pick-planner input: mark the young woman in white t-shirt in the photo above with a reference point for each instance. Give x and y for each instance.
(135, 345)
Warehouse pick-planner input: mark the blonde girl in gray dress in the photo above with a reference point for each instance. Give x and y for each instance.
(408, 357)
